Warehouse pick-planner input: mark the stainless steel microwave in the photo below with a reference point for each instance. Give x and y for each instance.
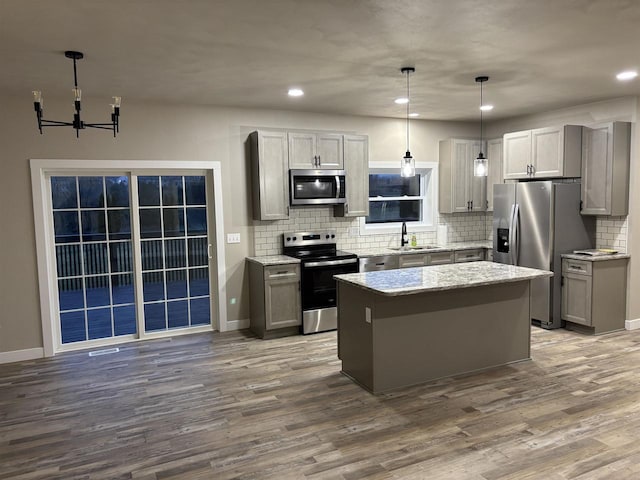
(316, 187)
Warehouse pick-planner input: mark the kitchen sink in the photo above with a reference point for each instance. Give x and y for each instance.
(408, 248)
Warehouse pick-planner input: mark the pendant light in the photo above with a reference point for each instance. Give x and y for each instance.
(408, 168)
(481, 163)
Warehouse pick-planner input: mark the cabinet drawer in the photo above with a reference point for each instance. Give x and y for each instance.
(371, 264)
(415, 260)
(440, 258)
(275, 272)
(474, 255)
(578, 267)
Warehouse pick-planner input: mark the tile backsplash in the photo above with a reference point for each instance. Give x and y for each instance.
(610, 231)
(268, 234)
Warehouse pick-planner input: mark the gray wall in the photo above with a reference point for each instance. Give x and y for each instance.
(164, 132)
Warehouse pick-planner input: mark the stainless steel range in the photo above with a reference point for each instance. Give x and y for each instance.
(320, 261)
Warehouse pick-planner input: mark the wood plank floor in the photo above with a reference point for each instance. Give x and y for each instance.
(229, 406)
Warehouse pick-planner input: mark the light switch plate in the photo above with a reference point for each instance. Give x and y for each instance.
(233, 238)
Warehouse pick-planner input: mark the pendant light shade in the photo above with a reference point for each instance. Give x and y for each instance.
(481, 163)
(408, 165)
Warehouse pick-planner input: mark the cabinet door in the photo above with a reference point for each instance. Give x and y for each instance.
(494, 153)
(478, 185)
(597, 170)
(461, 180)
(329, 149)
(440, 258)
(271, 175)
(282, 302)
(475, 255)
(302, 151)
(517, 154)
(576, 298)
(356, 166)
(413, 260)
(547, 151)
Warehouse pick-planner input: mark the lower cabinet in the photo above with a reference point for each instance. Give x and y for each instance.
(594, 295)
(275, 299)
(474, 255)
(382, 262)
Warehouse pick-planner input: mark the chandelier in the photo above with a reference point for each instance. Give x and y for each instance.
(77, 123)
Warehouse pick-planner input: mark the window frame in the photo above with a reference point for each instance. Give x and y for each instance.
(429, 197)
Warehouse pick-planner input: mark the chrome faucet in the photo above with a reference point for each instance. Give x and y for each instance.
(404, 240)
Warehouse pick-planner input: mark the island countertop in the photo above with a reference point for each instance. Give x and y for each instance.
(407, 281)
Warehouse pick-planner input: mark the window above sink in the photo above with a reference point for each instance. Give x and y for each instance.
(394, 199)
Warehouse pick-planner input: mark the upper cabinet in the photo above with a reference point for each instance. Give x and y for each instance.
(605, 169)
(552, 152)
(269, 162)
(494, 154)
(459, 189)
(312, 151)
(356, 166)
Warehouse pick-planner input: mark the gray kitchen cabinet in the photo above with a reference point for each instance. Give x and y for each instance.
(440, 258)
(605, 169)
(356, 166)
(516, 154)
(494, 154)
(310, 151)
(380, 262)
(269, 163)
(459, 189)
(594, 294)
(471, 255)
(409, 260)
(551, 152)
(275, 299)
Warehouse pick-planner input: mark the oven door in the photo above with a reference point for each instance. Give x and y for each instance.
(317, 187)
(318, 285)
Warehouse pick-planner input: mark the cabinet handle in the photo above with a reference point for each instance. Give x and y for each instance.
(471, 204)
(533, 170)
(346, 208)
(528, 169)
(319, 161)
(573, 267)
(487, 205)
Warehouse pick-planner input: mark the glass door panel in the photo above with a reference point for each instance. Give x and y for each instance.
(94, 267)
(175, 260)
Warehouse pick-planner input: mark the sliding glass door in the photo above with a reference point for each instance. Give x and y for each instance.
(174, 251)
(132, 255)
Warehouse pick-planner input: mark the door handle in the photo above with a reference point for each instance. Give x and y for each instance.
(209, 251)
(319, 161)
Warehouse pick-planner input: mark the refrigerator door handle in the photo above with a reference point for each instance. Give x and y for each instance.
(513, 207)
(514, 235)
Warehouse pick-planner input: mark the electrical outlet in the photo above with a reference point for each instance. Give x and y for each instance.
(233, 238)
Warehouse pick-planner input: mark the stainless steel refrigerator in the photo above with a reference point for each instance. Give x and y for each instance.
(533, 223)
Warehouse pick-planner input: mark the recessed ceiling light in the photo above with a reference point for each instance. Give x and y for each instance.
(486, 108)
(413, 114)
(401, 100)
(628, 75)
(295, 92)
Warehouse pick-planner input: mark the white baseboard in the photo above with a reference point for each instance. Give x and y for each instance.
(237, 324)
(20, 355)
(632, 324)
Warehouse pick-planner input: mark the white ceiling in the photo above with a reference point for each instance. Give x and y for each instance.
(345, 54)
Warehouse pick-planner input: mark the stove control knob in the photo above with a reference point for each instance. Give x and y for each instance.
(295, 238)
(333, 236)
(288, 239)
(327, 236)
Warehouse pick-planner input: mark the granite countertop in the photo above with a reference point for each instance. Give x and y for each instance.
(268, 260)
(408, 281)
(596, 258)
(445, 247)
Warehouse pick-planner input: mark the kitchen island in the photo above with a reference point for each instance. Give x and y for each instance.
(404, 327)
